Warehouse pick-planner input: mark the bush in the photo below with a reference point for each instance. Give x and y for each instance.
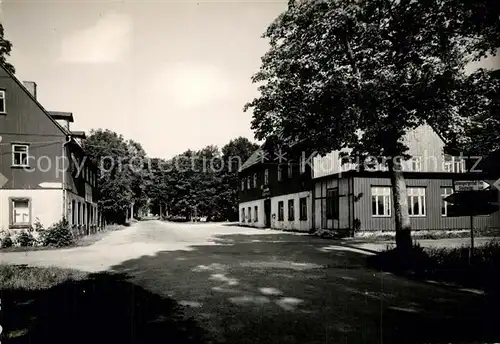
(25, 239)
(58, 235)
(7, 241)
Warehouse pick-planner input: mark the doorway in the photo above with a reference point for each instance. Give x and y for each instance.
(267, 213)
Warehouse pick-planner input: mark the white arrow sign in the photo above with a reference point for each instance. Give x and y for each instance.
(3, 180)
(497, 184)
(470, 185)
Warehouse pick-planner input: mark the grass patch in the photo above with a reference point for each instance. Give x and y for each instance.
(50, 305)
(429, 234)
(35, 278)
(449, 265)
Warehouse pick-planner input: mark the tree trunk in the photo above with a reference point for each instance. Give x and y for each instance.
(400, 198)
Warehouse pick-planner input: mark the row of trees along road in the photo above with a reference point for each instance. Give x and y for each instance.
(360, 74)
(200, 183)
(194, 183)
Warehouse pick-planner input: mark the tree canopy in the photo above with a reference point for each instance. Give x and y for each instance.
(200, 183)
(5, 48)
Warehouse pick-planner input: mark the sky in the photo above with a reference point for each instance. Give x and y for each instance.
(172, 75)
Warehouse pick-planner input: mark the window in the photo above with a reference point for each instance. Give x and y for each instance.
(332, 204)
(73, 212)
(416, 201)
(381, 201)
(249, 185)
(242, 214)
(20, 155)
(303, 208)
(266, 177)
(291, 210)
(242, 184)
(445, 192)
(453, 164)
(290, 170)
(249, 214)
(255, 214)
(2, 102)
(20, 212)
(255, 180)
(281, 214)
(280, 172)
(302, 165)
(79, 217)
(415, 164)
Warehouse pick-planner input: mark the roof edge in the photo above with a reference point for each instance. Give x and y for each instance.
(20, 83)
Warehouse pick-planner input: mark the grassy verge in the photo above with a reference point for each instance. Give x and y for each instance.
(51, 305)
(34, 278)
(449, 265)
(429, 234)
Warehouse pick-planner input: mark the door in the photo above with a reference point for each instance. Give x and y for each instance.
(267, 213)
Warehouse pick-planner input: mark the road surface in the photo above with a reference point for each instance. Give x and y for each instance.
(253, 286)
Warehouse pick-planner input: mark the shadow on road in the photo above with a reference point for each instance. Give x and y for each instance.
(249, 289)
(102, 309)
(294, 289)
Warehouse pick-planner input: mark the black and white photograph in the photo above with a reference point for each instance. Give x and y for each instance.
(265, 171)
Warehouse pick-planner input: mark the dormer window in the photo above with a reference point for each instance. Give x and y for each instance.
(2, 102)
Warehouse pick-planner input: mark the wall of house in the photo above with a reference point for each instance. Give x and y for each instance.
(422, 142)
(260, 223)
(433, 198)
(345, 189)
(45, 205)
(297, 183)
(82, 174)
(26, 122)
(296, 224)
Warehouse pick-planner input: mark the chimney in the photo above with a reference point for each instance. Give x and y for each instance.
(31, 86)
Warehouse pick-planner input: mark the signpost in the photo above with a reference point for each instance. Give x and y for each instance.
(472, 198)
(470, 185)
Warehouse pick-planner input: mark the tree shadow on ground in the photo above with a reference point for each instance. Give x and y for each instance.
(292, 289)
(104, 308)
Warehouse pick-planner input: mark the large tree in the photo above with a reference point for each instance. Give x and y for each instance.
(360, 74)
(118, 180)
(5, 48)
(482, 132)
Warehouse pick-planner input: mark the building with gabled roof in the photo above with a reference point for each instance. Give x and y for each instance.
(45, 174)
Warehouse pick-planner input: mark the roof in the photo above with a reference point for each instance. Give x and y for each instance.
(47, 113)
(67, 116)
(78, 134)
(254, 159)
(23, 87)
